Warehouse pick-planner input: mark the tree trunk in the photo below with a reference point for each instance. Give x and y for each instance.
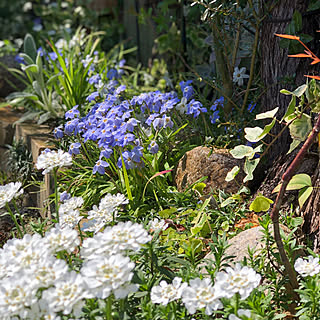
(276, 69)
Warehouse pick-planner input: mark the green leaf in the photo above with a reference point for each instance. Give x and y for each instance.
(167, 213)
(297, 20)
(268, 114)
(267, 128)
(291, 107)
(300, 90)
(286, 92)
(241, 151)
(199, 187)
(249, 167)
(232, 173)
(299, 181)
(201, 223)
(301, 127)
(304, 194)
(254, 134)
(31, 68)
(293, 145)
(260, 203)
(30, 47)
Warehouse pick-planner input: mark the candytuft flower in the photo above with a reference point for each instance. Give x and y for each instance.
(51, 159)
(9, 191)
(238, 280)
(308, 267)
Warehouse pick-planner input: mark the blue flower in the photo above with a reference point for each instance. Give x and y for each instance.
(184, 84)
(153, 147)
(94, 79)
(112, 74)
(100, 167)
(92, 96)
(19, 59)
(58, 133)
(74, 112)
(214, 117)
(64, 196)
(251, 107)
(75, 148)
(188, 92)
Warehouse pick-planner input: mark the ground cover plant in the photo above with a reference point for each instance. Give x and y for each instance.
(120, 241)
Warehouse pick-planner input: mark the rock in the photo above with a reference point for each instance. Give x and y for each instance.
(198, 163)
(239, 244)
(8, 82)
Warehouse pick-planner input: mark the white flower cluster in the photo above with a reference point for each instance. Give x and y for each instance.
(50, 159)
(10, 191)
(34, 284)
(69, 214)
(202, 294)
(308, 267)
(104, 213)
(158, 225)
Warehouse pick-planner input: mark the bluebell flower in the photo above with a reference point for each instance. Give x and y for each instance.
(188, 92)
(107, 152)
(100, 167)
(93, 96)
(41, 51)
(153, 147)
(53, 56)
(137, 153)
(19, 59)
(127, 159)
(94, 79)
(74, 148)
(195, 107)
(71, 126)
(64, 196)
(58, 132)
(119, 89)
(151, 118)
(214, 117)
(72, 113)
(184, 84)
(112, 74)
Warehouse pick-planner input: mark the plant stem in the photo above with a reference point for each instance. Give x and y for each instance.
(14, 220)
(20, 217)
(109, 308)
(56, 197)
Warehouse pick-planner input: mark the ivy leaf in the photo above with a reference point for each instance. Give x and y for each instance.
(232, 173)
(293, 145)
(268, 128)
(260, 203)
(300, 90)
(254, 134)
(268, 114)
(291, 107)
(301, 127)
(249, 167)
(286, 92)
(298, 181)
(241, 151)
(304, 194)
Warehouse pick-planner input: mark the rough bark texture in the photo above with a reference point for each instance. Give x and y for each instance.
(277, 67)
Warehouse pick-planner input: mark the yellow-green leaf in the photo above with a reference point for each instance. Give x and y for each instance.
(304, 194)
(260, 203)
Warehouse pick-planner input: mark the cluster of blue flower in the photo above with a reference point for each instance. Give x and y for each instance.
(116, 123)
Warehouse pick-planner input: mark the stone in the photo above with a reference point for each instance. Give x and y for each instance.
(8, 82)
(200, 162)
(239, 244)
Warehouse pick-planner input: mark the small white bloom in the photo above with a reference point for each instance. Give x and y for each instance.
(10, 191)
(58, 239)
(238, 280)
(241, 313)
(239, 75)
(61, 43)
(201, 294)
(50, 159)
(66, 293)
(105, 274)
(112, 202)
(69, 214)
(27, 6)
(165, 293)
(308, 267)
(37, 27)
(157, 225)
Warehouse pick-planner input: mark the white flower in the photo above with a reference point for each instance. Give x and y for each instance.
(112, 202)
(157, 225)
(239, 75)
(48, 160)
(16, 295)
(182, 106)
(61, 43)
(123, 237)
(308, 267)
(27, 6)
(238, 280)
(201, 294)
(66, 293)
(241, 313)
(105, 274)
(69, 215)
(165, 293)
(10, 191)
(58, 239)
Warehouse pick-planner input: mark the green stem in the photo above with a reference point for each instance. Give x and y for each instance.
(20, 217)
(14, 220)
(109, 308)
(56, 196)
